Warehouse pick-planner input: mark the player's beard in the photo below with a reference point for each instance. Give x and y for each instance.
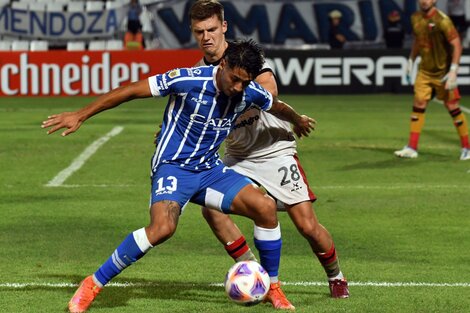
(426, 10)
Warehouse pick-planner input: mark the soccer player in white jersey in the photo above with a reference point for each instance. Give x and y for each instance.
(263, 148)
(204, 102)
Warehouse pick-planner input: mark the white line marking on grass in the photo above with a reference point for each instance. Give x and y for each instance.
(392, 187)
(97, 186)
(301, 283)
(338, 187)
(462, 108)
(382, 284)
(465, 109)
(76, 164)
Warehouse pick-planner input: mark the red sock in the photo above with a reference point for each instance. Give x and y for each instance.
(329, 262)
(237, 248)
(414, 139)
(327, 257)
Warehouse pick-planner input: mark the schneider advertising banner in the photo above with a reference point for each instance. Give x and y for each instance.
(61, 73)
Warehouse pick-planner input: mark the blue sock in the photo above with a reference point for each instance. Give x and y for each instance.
(269, 244)
(130, 250)
(269, 255)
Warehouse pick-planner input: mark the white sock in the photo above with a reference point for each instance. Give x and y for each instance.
(339, 276)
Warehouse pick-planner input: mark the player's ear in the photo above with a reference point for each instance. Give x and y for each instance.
(222, 63)
(224, 26)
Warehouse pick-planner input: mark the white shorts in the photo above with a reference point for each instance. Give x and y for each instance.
(282, 177)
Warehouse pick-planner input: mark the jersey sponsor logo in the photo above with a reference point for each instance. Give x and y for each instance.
(215, 123)
(174, 73)
(200, 101)
(246, 122)
(194, 72)
(295, 187)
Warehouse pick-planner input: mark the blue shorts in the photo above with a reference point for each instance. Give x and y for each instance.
(214, 188)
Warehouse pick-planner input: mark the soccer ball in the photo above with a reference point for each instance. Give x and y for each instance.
(247, 283)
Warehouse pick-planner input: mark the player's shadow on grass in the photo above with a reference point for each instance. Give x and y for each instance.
(392, 161)
(155, 290)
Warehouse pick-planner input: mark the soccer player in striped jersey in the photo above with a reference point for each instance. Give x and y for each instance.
(203, 105)
(263, 147)
(438, 43)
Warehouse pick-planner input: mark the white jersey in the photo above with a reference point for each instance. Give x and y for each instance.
(258, 134)
(263, 148)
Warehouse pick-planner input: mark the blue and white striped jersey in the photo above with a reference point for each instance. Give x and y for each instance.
(198, 116)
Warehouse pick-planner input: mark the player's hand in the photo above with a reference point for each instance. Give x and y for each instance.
(451, 80)
(68, 120)
(409, 69)
(304, 126)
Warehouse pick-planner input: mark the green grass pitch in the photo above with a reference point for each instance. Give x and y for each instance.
(401, 227)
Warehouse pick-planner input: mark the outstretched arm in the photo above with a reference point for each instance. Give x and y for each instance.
(303, 124)
(73, 120)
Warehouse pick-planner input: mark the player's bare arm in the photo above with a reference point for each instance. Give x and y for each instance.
(456, 50)
(73, 120)
(268, 82)
(451, 77)
(303, 124)
(414, 50)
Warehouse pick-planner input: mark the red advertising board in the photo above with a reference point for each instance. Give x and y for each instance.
(64, 73)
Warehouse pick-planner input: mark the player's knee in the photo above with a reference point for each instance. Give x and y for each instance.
(309, 229)
(266, 212)
(207, 214)
(161, 232)
(420, 104)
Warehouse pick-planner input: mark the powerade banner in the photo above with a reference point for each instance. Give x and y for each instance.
(60, 25)
(61, 73)
(350, 72)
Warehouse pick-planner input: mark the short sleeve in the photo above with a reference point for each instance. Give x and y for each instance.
(449, 30)
(152, 80)
(162, 85)
(260, 96)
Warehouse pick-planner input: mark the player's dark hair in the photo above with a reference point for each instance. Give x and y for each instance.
(204, 9)
(245, 54)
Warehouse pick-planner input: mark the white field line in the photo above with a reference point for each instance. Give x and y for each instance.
(462, 108)
(392, 187)
(97, 186)
(331, 187)
(301, 283)
(465, 109)
(76, 164)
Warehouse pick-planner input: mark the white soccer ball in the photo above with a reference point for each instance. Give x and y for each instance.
(247, 283)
